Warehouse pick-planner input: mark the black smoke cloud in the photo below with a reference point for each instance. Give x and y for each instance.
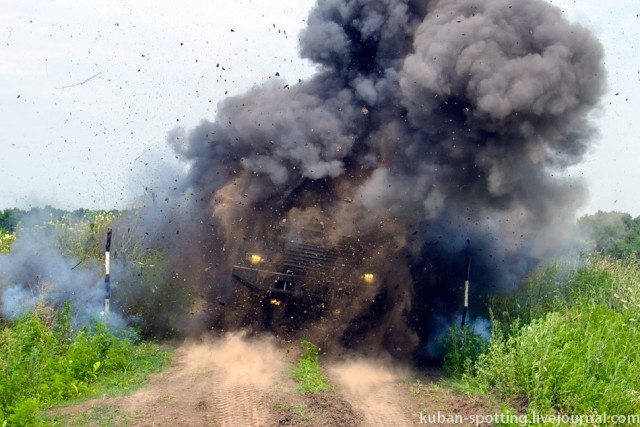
(432, 131)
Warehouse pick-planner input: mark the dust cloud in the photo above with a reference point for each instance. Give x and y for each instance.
(373, 386)
(237, 358)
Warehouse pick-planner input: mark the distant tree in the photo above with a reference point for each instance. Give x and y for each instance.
(628, 244)
(10, 218)
(612, 233)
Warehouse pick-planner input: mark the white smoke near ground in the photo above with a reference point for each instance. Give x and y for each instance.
(36, 270)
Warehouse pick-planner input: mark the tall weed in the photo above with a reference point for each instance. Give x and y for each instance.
(462, 347)
(308, 371)
(44, 360)
(579, 357)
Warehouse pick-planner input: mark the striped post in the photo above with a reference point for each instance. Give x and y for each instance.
(466, 294)
(107, 282)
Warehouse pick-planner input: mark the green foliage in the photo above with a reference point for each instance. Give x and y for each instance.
(570, 362)
(6, 239)
(149, 288)
(44, 360)
(601, 280)
(580, 355)
(82, 234)
(613, 283)
(538, 294)
(615, 234)
(462, 348)
(308, 371)
(10, 218)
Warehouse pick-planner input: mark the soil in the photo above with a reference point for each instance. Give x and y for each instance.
(239, 381)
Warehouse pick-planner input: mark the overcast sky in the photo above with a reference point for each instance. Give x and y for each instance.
(89, 90)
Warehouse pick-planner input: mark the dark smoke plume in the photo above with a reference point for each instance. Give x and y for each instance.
(433, 130)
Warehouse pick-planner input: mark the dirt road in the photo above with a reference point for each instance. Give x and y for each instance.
(375, 389)
(240, 382)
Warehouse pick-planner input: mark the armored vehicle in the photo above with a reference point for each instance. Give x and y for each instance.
(301, 275)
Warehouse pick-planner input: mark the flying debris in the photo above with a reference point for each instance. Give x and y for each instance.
(80, 83)
(466, 133)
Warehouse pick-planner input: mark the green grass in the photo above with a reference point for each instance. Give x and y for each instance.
(104, 415)
(45, 360)
(146, 357)
(304, 412)
(308, 371)
(580, 355)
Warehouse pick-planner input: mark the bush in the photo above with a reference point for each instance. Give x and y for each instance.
(578, 362)
(580, 358)
(538, 294)
(44, 360)
(83, 237)
(462, 348)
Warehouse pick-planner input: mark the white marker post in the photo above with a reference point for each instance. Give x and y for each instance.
(107, 282)
(466, 295)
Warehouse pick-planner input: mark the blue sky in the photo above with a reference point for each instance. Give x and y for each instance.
(154, 65)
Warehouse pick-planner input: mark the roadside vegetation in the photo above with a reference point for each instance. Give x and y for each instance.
(308, 371)
(8, 222)
(145, 287)
(615, 234)
(47, 356)
(566, 341)
(44, 359)
(580, 357)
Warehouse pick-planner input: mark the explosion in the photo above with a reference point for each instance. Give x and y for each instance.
(431, 132)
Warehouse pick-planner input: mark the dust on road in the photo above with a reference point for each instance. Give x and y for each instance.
(240, 381)
(374, 387)
(222, 382)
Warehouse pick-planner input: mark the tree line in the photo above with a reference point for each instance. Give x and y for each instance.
(616, 234)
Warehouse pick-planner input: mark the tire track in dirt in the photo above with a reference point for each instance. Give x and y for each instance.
(239, 405)
(217, 383)
(374, 390)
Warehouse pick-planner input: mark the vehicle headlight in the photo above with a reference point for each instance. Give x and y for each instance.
(256, 259)
(275, 302)
(368, 277)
